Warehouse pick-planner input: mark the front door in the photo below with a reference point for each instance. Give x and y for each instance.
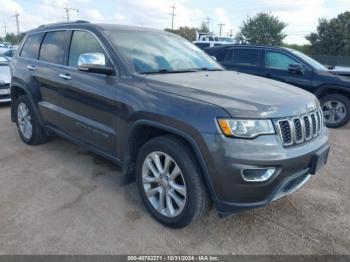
(88, 99)
(276, 67)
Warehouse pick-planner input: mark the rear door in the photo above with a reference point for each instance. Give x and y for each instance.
(245, 60)
(276, 65)
(88, 99)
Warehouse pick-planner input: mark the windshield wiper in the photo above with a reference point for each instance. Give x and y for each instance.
(209, 69)
(166, 71)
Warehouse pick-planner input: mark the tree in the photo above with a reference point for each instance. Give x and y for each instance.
(13, 38)
(332, 36)
(302, 48)
(186, 32)
(204, 28)
(263, 28)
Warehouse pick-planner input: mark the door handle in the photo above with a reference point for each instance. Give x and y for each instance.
(65, 76)
(31, 67)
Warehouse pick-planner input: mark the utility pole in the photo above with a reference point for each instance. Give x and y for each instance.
(221, 25)
(5, 28)
(208, 23)
(67, 9)
(231, 32)
(173, 7)
(17, 22)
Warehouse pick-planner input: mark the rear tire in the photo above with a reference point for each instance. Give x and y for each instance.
(28, 126)
(181, 196)
(336, 110)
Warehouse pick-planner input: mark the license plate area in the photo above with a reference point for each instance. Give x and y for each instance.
(319, 160)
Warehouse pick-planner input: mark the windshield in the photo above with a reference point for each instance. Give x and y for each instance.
(309, 60)
(152, 52)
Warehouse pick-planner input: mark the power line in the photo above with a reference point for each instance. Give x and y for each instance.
(173, 7)
(68, 9)
(221, 25)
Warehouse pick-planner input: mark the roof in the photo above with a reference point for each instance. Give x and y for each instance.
(86, 24)
(247, 46)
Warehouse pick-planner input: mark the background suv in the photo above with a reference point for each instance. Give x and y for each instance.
(189, 132)
(295, 68)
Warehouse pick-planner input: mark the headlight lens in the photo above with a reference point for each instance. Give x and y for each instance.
(246, 128)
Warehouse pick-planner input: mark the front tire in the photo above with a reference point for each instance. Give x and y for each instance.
(170, 182)
(28, 126)
(336, 110)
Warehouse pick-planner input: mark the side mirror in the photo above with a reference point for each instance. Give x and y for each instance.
(94, 63)
(296, 69)
(330, 67)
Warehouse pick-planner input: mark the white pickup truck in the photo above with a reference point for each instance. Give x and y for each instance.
(206, 40)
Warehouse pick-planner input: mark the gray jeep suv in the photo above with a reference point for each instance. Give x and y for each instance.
(187, 131)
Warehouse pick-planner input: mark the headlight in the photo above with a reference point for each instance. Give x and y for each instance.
(245, 128)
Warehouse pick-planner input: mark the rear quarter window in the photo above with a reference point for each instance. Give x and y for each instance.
(53, 47)
(31, 46)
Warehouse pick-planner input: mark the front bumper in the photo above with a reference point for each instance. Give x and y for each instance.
(5, 93)
(227, 157)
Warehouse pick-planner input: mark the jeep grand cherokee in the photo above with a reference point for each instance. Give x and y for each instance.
(189, 132)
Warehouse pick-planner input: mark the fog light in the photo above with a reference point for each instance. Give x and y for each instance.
(258, 174)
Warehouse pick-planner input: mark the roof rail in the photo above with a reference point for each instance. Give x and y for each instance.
(77, 21)
(82, 21)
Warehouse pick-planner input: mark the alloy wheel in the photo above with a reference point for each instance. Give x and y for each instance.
(164, 184)
(334, 111)
(24, 121)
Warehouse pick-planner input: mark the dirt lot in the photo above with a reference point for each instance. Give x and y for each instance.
(60, 199)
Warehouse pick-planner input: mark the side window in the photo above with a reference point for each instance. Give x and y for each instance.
(31, 47)
(83, 42)
(245, 57)
(53, 47)
(275, 60)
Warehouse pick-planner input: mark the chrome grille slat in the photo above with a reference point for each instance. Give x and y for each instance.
(296, 130)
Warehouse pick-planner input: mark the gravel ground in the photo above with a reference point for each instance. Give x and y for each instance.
(58, 198)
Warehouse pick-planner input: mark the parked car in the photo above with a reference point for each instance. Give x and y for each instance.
(5, 78)
(206, 40)
(295, 68)
(9, 54)
(189, 132)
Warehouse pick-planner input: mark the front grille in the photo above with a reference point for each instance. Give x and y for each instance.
(297, 130)
(5, 86)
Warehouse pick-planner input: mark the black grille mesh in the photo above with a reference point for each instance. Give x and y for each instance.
(299, 129)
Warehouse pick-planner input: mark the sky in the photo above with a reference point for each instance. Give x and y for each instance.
(300, 15)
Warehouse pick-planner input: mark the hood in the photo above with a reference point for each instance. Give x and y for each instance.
(344, 71)
(341, 78)
(241, 95)
(5, 74)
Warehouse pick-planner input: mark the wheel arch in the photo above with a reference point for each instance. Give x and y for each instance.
(143, 131)
(17, 91)
(328, 89)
